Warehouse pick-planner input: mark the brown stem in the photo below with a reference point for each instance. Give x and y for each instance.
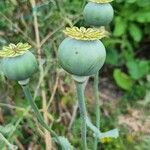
(48, 140)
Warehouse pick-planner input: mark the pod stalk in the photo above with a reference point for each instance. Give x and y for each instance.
(36, 111)
(83, 113)
(97, 104)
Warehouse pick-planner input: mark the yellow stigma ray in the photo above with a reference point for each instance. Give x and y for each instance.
(13, 50)
(101, 1)
(88, 34)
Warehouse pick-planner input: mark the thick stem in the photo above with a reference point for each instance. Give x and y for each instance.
(36, 110)
(83, 114)
(97, 109)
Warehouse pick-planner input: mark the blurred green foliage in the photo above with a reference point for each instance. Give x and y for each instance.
(128, 46)
(127, 64)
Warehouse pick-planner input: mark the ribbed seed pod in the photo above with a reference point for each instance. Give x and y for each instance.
(81, 58)
(18, 63)
(98, 14)
(82, 54)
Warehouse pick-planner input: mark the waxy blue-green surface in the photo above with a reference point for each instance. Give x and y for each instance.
(20, 67)
(98, 14)
(81, 58)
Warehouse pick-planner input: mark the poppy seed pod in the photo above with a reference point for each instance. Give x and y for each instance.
(82, 54)
(18, 63)
(98, 13)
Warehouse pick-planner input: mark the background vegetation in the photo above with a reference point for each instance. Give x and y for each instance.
(125, 78)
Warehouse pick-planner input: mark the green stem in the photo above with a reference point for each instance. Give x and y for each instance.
(83, 114)
(97, 109)
(58, 6)
(2, 138)
(37, 113)
(83, 5)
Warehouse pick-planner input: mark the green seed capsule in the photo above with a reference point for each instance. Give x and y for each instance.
(80, 57)
(20, 67)
(98, 14)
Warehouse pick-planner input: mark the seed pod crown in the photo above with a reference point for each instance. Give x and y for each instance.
(14, 50)
(101, 1)
(86, 34)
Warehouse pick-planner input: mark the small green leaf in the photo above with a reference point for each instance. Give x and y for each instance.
(109, 134)
(141, 16)
(138, 68)
(112, 57)
(120, 27)
(135, 32)
(122, 80)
